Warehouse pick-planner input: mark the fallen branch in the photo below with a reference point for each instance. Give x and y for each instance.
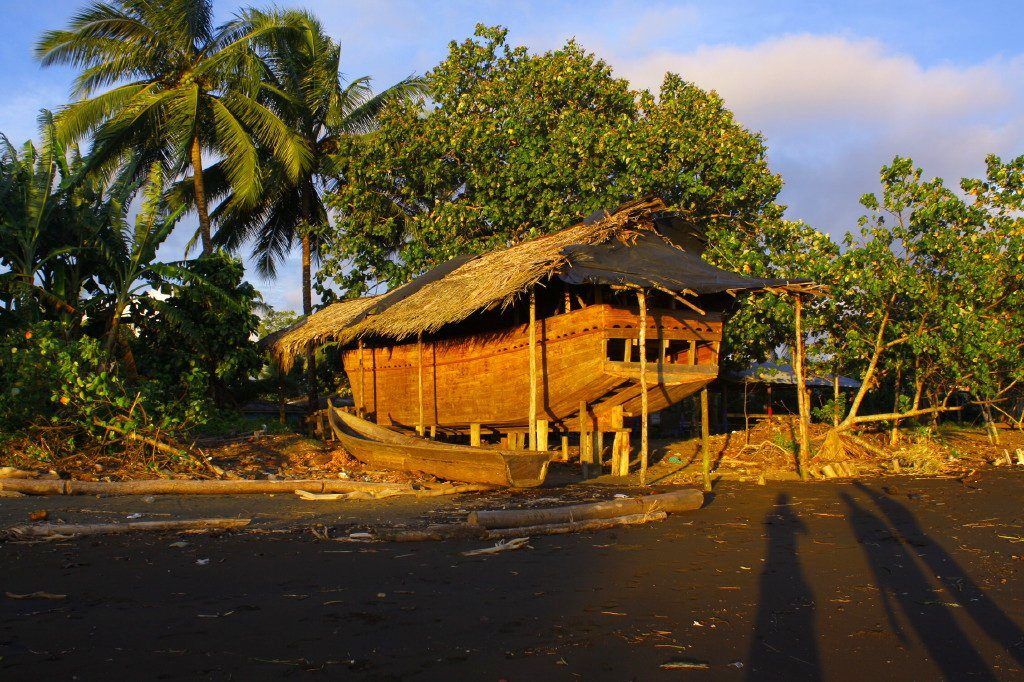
(61, 530)
(12, 472)
(466, 531)
(676, 501)
(502, 546)
(391, 492)
(139, 438)
(577, 526)
(188, 487)
(892, 416)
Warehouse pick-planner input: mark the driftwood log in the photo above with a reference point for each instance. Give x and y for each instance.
(186, 487)
(49, 530)
(466, 531)
(676, 501)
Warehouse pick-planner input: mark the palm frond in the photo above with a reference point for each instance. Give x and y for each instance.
(360, 116)
(284, 144)
(241, 160)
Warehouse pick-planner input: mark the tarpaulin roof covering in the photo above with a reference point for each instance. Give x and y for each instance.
(630, 246)
(773, 373)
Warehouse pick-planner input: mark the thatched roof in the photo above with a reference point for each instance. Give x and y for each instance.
(601, 249)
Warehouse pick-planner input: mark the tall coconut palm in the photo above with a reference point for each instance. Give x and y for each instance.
(308, 94)
(179, 88)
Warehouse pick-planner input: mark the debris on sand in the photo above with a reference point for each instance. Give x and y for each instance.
(685, 664)
(37, 595)
(502, 546)
(62, 531)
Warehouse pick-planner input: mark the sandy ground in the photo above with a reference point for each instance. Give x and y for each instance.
(887, 578)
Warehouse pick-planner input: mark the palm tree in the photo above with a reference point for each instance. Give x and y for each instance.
(46, 220)
(308, 94)
(180, 88)
(310, 97)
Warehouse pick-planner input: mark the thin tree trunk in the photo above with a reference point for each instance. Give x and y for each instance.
(869, 373)
(894, 432)
(835, 399)
(307, 309)
(200, 191)
(115, 328)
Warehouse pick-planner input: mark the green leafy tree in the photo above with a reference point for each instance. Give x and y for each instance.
(47, 219)
(517, 144)
(206, 325)
(276, 320)
(178, 87)
(928, 292)
(128, 269)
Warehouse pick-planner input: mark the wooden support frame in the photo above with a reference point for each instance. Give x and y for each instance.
(419, 383)
(586, 443)
(474, 435)
(620, 443)
(705, 445)
(361, 407)
(642, 299)
(803, 399)
(532, 422)
(541, 435)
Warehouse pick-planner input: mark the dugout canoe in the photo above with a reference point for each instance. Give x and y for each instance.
(382, 447)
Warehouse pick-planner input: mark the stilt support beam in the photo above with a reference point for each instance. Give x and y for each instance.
(705, 446)
(642, 298)
(419, 382)
(532, 426)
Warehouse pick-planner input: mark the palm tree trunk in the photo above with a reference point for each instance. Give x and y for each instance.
(307, 309)
(200, 191)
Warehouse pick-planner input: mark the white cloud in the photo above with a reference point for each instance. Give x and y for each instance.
(833, 109)
(797, 79)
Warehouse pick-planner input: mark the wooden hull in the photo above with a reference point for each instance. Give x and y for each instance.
(581, 358)
(381, 447)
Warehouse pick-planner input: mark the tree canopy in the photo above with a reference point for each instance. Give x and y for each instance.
(513, 144)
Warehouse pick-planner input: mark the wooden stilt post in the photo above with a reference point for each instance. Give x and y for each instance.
(361, 409)
(474, 435)
(620, 443)
(373, 380)
(419, 382)
(565, 448)
(705, 446)
(586, 443)
(642, 298)
(802, 399)
(532, 427)
(542, 435)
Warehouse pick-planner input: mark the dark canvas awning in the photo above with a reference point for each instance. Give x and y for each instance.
(649, 260)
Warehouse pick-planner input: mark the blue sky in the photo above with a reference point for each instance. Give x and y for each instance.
(837, 89)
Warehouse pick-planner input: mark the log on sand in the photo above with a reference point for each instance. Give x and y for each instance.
(392, 492)
(60, 530)
(676, 501)
(187, 487)
(466, 531)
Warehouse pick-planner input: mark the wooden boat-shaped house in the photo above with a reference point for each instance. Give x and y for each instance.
(565, 334)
